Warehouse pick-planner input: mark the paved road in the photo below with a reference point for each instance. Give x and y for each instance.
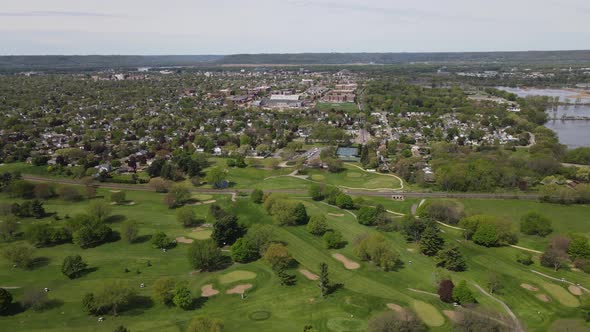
(409, 194)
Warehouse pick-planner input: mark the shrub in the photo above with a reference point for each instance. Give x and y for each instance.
(318, 225)
(333, 240)
(5, 300)
(462, 294)
(186, 216)
(344, 201)
(204, 255)
(525, 258)
(257, 196)
(161, 241)
(374, 247)
(244, 251)
(278, 256)
(447, 211)
(534, 223)
(73, 266)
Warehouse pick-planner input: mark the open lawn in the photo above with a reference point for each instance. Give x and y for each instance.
(267, 305)
(354, 178)
(346, 107)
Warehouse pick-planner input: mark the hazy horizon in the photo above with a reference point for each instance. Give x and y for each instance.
(221, 27)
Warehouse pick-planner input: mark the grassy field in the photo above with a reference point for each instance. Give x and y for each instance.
(268, 306)
(346, 107)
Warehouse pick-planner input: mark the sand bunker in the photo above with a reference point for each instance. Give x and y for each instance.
(239, 289)
(336, 214)
(349, 264)
(208, 290)
(395, 307)
(454, 316)
(309, 275)
(575, 290)
(543, 297)
(401, 312)
(529, 287)
(182, 239)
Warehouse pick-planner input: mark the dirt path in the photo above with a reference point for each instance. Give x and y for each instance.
(423, 292)
(416, 206)
(526, 249)
(517, 326)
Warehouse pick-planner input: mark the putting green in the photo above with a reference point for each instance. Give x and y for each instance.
(236, 276)
(562, 295)
(353, 174)
(318, 177)
(259, 315)
(428, 313)
(346, 324)
(202, 197)
(201, 235)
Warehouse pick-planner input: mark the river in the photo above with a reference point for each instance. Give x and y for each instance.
(573, 133)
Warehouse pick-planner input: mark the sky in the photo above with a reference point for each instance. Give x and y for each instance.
(150, 27)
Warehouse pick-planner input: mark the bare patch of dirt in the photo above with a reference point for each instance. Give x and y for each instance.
(529, 287)
(454, 316)
(309, 275)
(208, 290)
(575, 290)
(543, 297)
(348, 264)
(239, 289)
(182, 239)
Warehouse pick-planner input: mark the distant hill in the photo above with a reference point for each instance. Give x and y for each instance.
(94, 62)
(399, 58)
(97, 62)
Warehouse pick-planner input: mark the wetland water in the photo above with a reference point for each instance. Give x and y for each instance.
(573, 133)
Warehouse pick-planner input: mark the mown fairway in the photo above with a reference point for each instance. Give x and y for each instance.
(268, 306)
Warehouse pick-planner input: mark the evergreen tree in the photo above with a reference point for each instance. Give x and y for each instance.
(431, 242)
(286, 278)
(227, 230)
(324, 280)
(37, 209)
(451, 259)
(300, 214)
